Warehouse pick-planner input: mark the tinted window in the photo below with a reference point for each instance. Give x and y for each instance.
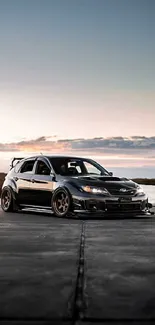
(67, 167)
(27, 166)
(42, 168)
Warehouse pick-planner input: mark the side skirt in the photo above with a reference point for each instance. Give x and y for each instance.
(23, 206)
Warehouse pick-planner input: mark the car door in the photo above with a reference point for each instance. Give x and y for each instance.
(41, 185)
(23, 179)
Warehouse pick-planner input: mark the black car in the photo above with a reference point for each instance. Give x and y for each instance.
(68, 185)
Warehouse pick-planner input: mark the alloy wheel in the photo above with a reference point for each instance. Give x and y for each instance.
(6, 199)
(61, 203)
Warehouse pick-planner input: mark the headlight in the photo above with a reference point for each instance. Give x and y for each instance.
(95, 190)
(140, 191)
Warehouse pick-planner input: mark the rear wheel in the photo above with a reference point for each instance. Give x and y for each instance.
(7, 202)
(62, 203)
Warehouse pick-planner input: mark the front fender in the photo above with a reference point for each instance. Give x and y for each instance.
(71, 187)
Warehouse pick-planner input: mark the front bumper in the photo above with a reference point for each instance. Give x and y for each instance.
(111, 204)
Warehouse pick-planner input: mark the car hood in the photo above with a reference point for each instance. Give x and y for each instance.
(108, 182)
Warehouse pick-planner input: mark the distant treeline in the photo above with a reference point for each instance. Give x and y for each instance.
(143, 181)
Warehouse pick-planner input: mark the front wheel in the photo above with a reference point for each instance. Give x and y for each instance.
(61, 203)
(7, 200)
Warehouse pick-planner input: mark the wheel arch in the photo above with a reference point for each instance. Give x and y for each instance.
(69, 186)
(55, 209)
(63, 187)
(10, 188)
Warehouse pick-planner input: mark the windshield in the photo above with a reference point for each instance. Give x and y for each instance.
(75, 166)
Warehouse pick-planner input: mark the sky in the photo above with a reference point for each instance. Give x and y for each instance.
(77, 69)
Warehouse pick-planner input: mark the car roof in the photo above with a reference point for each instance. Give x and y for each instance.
(53, 157)
(44, 157)
(67, 157)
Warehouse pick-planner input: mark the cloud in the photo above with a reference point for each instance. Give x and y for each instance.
(115, 142)
(111, 145)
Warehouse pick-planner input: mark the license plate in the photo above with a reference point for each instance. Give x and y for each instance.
(125, 199)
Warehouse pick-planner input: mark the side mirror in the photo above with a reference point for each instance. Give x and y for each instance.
(111, 173)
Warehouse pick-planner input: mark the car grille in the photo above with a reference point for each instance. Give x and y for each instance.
(123, 207)
(117, 192)
(115, 207)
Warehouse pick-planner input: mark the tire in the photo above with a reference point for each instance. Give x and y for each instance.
(62, 203)
(7, 201)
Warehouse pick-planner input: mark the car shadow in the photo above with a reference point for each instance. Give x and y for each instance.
(83, 217)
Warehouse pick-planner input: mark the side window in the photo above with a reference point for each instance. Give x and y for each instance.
(27, 167)
(42, 168)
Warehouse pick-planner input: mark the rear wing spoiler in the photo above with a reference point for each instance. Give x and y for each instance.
(13, 160)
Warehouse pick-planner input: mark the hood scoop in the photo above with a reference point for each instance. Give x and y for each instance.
(101, 178)
(110, 179)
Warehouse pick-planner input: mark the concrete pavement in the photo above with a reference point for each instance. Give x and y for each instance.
(120, 270)
(63, 269)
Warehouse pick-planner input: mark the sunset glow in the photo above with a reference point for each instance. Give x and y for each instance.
(78, 78)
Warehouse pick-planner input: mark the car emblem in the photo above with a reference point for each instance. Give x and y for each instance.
(123, 190)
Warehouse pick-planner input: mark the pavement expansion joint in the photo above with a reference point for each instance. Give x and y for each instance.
(79, 302)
